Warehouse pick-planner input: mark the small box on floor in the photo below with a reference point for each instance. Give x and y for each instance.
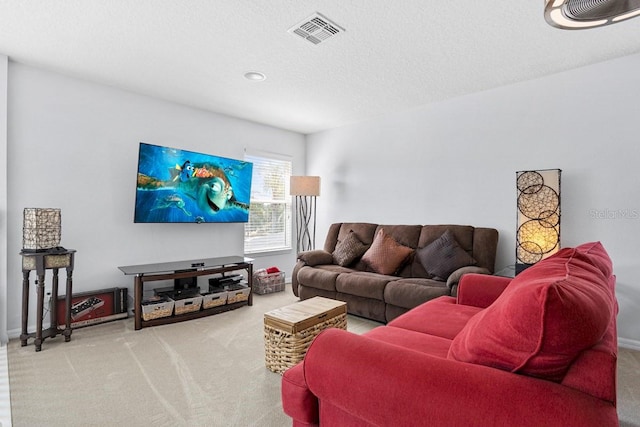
(89, 308)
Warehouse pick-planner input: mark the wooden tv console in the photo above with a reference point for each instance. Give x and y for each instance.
(176, 270)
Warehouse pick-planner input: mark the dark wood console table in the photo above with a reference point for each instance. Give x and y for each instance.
(40, 262)
(176, 270)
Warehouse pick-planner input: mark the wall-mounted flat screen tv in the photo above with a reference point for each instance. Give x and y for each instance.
(184, 186)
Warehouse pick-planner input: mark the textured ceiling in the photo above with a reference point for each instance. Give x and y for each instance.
(393, 56)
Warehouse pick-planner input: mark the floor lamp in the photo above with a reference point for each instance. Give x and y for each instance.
(305, 189)
(538, 232)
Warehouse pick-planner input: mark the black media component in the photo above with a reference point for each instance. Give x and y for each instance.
(186, 282)
(218, 284)
(175, 293)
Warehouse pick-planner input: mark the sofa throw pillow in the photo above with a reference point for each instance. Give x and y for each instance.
(385, 256)
(348, 250)
(542, 321)
(443, 256)
(598, 256)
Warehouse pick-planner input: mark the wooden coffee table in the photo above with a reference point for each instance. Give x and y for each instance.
(289, 330)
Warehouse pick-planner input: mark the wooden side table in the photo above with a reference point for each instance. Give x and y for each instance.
(40, 262)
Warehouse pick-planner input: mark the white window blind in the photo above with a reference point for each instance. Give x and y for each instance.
(269, 226)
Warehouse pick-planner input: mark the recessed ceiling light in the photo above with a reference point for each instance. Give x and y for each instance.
(255, 76)
(579, 14)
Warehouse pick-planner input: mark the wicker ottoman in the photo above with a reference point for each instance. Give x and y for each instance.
(288, 331)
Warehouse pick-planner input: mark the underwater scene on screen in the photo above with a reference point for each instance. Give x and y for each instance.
(183, 186)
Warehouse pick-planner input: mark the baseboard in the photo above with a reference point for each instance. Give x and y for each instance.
(14, 333)
(629, 344)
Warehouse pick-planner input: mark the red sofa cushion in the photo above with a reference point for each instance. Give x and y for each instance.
(440, 317)
(424, 343)
(546, 316)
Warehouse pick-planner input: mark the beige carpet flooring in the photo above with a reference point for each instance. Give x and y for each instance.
(204, 372)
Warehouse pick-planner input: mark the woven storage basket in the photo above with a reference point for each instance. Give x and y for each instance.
(213, 299)
(187, 305)
(285, 345)
(283, 349)
(238, 293)
(266, 283)
(157, 307)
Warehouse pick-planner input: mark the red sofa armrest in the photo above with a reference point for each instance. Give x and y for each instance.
(385, 384)
(297, 401)
(481, 290)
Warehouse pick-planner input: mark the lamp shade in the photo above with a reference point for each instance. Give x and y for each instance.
(305, 185)
(538, 228)
(41, 229)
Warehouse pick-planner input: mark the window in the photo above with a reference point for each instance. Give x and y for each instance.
(269, 226)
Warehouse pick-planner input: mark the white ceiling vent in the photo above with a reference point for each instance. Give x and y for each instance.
(316, 29)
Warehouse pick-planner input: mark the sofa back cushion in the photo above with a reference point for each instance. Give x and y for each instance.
(594, 370)
(479, 243)
(598, 257)
(544, 319)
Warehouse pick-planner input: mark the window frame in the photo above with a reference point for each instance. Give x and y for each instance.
(259, 197)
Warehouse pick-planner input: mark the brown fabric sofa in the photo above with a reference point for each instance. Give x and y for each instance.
(383, 297)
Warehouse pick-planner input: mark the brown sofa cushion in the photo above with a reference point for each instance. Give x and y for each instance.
(408, 293)
(348, 250)
(319, 278)
(386, 256)
(364, 284)
(443, 256)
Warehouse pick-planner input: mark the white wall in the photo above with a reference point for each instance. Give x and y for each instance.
(455, 162)
(74, 145)
(4, 65)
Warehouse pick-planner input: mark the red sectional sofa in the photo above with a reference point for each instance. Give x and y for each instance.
(539, 349)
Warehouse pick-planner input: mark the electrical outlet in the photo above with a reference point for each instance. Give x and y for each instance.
(47, 291)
